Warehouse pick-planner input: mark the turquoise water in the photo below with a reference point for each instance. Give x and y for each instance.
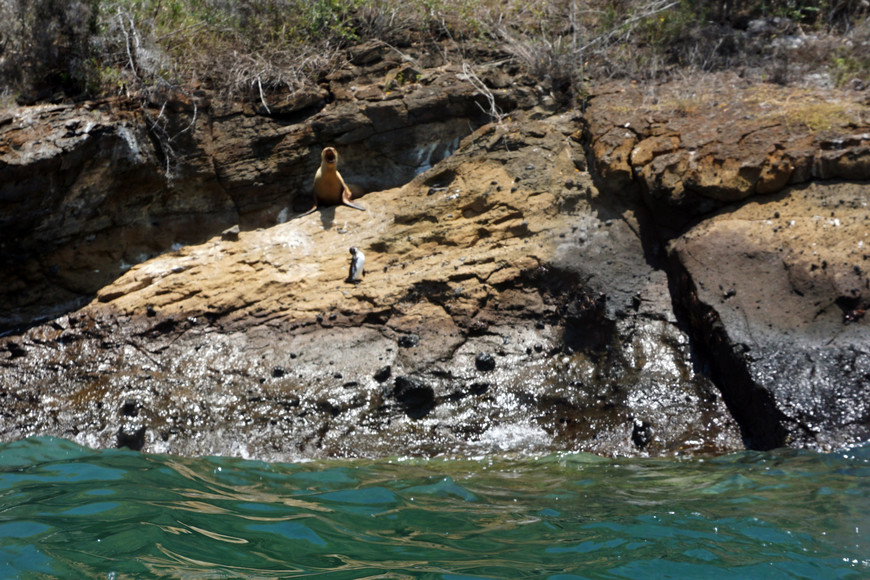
(72, 512)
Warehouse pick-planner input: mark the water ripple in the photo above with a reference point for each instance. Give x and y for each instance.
(74, 512)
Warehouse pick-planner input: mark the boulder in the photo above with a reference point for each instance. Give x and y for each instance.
(776, 291)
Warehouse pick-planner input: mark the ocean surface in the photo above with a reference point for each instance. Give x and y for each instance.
(72, 512)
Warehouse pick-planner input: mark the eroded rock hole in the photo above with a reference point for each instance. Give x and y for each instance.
(392, 158)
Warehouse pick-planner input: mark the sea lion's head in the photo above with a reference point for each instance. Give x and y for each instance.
(329, 155)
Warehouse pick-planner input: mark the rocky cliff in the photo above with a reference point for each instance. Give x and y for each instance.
(662, 270)
(761, 194)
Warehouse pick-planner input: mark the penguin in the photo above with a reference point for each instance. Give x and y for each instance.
(357, 266)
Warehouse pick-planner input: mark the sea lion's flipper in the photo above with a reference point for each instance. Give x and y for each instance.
(346, 197)
(354, 206)
(312, 210)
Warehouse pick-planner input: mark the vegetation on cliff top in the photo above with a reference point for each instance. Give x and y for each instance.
(57, 49)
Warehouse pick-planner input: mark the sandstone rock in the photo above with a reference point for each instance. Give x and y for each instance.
(491, 254)
(694, 147)
(119, 197)
(487, 252)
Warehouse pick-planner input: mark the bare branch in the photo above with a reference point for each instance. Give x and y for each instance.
(469, 75)
(262, 97)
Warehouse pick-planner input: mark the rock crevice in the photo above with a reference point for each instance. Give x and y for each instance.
(759, 262)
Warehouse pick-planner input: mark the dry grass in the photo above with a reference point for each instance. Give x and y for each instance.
(727, 95)
(246, 48)
(819, 111)
(689, 95)
(686, 102)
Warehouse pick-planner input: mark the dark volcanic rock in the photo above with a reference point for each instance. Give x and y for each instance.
(132, 436)
(383, 374)
(484, 362)
(767, 286)
(409, 340)
(131, 408)
(417, 398)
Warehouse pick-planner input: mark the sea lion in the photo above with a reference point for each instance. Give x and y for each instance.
(329, 186)
(357, 266)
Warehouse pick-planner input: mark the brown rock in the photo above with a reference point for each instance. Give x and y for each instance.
(402, 75)
(487, 252)
(122, 197)
(490, 252)
(725, 142)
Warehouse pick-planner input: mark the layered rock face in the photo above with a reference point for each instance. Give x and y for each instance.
(768, 242)
(512, 300)
(86, 192)
(777, 290)
(498, 312)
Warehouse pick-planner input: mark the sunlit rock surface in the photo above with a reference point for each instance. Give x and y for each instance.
(500, 312)
(686, 294)
(88, 190)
